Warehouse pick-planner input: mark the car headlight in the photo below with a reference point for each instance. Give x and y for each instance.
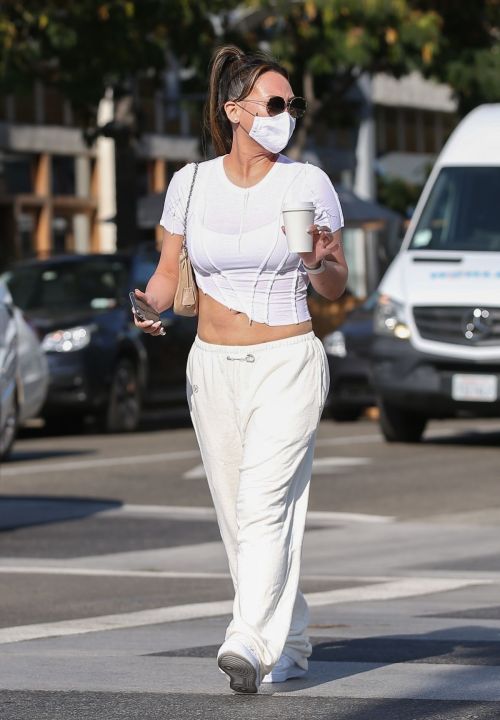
(334, 344)
(69, 340)
(389, 318)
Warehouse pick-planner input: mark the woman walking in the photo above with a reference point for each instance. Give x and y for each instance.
(257, 376)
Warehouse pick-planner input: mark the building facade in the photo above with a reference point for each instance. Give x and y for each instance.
(57, 191)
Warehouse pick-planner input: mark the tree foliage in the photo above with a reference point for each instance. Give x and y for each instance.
(398, 194)
(328, 44)
(83, 46)
(336, 40)
(343, 38)
(468, 57)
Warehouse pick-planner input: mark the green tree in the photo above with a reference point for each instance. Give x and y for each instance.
(328, 44)
(85, 46)
(468, 56)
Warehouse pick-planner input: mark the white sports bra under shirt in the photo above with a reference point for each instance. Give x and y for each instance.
(234, 238)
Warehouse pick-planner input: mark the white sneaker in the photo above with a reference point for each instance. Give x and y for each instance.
(238, 661)
(285, 669)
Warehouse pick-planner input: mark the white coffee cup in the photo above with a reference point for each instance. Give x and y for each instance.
(297, 217)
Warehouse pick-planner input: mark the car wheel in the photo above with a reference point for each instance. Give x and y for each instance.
(399, 425)
(9, 431)
(345, 413)
(124, 404)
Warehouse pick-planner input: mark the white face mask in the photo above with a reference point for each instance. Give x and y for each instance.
(273, 133)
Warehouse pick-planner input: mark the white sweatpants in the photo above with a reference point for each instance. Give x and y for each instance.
(255, 410)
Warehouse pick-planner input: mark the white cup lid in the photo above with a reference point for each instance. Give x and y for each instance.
(298, 206)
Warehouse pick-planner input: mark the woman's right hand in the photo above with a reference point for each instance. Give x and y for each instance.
(148, 326)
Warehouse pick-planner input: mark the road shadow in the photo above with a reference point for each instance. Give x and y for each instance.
(18, 455)
(433, 696)
(436, 648)
(151, 421)
(28, 510)
(156, 421)
(339, 658)
(471, 438)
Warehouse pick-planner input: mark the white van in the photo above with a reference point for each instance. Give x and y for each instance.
(436, 350)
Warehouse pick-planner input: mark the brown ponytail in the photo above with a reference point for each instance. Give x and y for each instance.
(232, 77)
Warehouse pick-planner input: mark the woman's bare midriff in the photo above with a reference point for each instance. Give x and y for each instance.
(220, 325)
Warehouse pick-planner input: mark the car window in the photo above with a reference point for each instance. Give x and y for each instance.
(94, 282)
(144, 266)
(461, 212)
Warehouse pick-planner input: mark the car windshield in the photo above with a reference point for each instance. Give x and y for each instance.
(461, 212)
(95, 283)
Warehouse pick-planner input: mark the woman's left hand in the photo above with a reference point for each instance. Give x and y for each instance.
(325, 243)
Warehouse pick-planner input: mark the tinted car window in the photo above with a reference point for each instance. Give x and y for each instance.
(461, 212)
(144, 267)
(94, 282)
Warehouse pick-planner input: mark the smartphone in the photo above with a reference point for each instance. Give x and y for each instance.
(143, 311)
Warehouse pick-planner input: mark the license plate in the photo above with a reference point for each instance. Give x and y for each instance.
(477, 388)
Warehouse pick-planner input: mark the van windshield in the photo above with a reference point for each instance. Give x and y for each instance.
(462, 211)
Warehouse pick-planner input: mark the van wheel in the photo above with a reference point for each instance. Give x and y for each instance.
(399, 425)
(124, 404)
(9, 430)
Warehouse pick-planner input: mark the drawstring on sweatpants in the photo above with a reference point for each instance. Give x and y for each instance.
(247, 358)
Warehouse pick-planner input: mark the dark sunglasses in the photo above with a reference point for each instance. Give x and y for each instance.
(296, 106)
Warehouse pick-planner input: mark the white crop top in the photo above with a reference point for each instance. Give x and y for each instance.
(234, 238)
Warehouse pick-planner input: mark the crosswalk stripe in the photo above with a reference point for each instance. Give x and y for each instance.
(321, 466)
(398, 588)
(186, 512)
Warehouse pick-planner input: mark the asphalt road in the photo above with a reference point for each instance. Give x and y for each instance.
(115, 593)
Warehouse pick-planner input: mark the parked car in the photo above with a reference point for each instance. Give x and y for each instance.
(23, 372)
(348, 349)
(436, 352)
(99, 362)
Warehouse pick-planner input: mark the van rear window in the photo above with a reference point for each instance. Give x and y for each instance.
(462, 211)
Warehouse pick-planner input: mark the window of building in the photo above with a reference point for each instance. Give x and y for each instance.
(142, 178)
(380, 120)
(17, 173)
(391, 130)
(429, 123)
(25, 107)
(53, 107)
(63, 175)
(61, 235)
(410, 130)
(26, 223)
(449, 124)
